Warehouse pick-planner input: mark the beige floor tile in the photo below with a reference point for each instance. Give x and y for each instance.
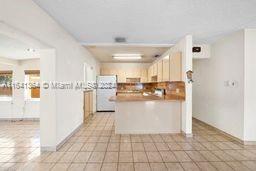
(142, 167)
(65, 147)
(181, 156)
(96, 143)
(206, 166)
(111, 157)
(174, 167)
(168, 156)
(140, 157)
(97, 157)
(125, 146)
(158, 167)
(82, 157)
(125, 167)
(154, 157)
(250, 164)
(103, 139)
(157, 138)
(236, 155)
(88, 147)
(185, 146)
(101, 147)
(198, 146)
(138, 147)
(150, 147)
(60, 166)
(109, 167)
(209, 156)
(222, 145)
(195, 156)
(76, 147)
(38, 166)
(53, 157)
(135, 139)
(247, 154)
(190, 166)
(68, 157)
(221, 166)
(76, 167)
(125, 157)
(237, 166)
(161, 146)
(113, 147)
(167, 138)
(223, 156)
(174, 146)
(93, 166)
(210, 146)
(12, 166)
(146, 138)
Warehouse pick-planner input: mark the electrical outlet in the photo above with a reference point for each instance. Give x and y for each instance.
(177, 90)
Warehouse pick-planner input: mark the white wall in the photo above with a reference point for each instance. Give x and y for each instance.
(250, 85)
(69, 56)
(18, 107)
(215, 100)
(205, 51)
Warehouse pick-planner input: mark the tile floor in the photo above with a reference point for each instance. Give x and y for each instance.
(96, 147)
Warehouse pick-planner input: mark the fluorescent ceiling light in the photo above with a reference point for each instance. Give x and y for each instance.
(123, 56)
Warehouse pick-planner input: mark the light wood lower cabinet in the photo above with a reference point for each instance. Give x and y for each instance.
(88, 104)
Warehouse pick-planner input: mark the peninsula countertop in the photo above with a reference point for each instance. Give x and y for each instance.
(149, 97)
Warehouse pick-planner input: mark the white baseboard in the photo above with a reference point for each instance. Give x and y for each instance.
(228, 135)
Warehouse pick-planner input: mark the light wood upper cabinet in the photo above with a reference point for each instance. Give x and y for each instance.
(144, 75)
(166, 68)
(160, 70)
(154, 69)
(150, 73)
(175, 67)
(121, 76)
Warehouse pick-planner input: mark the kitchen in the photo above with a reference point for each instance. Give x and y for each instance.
(148, 97)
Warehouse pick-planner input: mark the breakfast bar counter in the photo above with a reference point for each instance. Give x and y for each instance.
(147, 114)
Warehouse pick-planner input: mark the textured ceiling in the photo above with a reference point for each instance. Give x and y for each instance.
(151, 22)
(104, 53)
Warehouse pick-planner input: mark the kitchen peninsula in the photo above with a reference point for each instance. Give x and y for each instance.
(146, 112)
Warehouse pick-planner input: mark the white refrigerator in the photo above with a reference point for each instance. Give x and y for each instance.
(106, 87)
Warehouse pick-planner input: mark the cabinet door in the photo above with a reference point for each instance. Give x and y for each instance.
(175, 67)
(160, 71)
(166, 67)
(86, 105)
(143, 75)
(91, 102)
(104, 71)
(154, 69)
(150, 73)
(121, 76)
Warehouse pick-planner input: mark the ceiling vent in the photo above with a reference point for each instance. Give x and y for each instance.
(120, 39)
(157, 56)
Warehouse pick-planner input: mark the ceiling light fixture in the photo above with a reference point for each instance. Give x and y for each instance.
(123, 56)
